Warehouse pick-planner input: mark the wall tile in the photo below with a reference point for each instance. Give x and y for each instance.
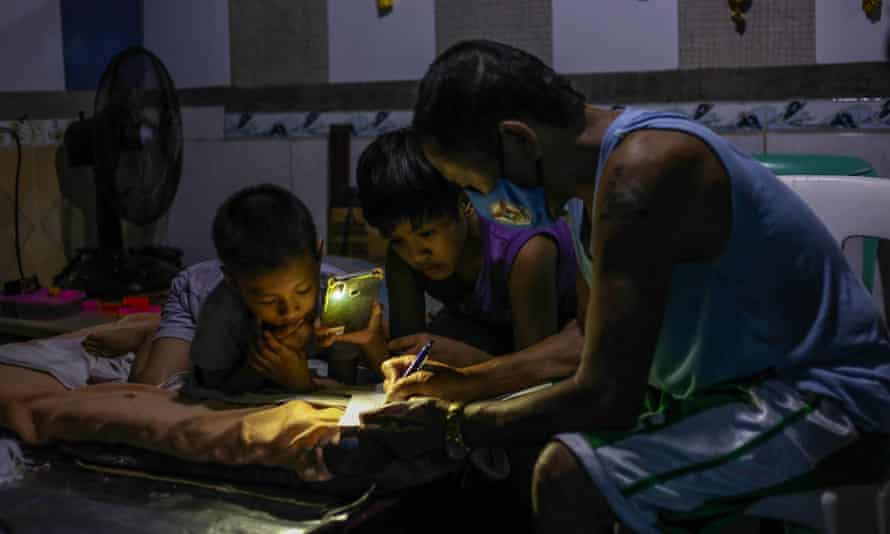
(278, 42)
(845, 34)
(40, 217)
(526, 25)
(614, 35)
(6, 209)
(213, 170)
(42, 256)
(191, 39)
(309, 179)
(202, 123)
(31, 29)
(366, 47)
(8, 267)
(752, 143)
(779, 32)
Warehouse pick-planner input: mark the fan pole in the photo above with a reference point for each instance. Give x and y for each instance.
(108, 221)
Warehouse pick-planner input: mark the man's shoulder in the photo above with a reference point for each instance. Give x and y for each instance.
(678, 179)
(650, 157)
(657, 151)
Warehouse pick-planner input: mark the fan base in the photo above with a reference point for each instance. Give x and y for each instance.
(114, 275)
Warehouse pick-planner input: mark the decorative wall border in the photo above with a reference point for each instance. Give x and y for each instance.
(843, 114)
(35, 132)
(699, 85)
(857, 114)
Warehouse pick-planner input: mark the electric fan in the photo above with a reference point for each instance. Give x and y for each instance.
(133, 142)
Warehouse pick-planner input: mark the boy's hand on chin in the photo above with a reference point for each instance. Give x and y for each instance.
(276, 361)
(295, 336)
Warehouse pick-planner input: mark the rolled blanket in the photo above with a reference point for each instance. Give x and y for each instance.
(65, 359)
(12, 460)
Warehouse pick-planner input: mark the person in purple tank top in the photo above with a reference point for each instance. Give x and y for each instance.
(504, 289)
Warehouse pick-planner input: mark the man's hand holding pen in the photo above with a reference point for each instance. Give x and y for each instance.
(435, 379)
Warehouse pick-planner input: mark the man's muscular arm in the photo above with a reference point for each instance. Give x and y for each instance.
(642, 195)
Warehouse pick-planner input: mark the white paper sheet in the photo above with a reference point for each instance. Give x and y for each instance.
(360, 403)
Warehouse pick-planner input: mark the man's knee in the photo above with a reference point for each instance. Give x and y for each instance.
(556, 472)
(555, 462)
(564, 497)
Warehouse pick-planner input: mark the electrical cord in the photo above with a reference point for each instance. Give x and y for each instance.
(15, 211)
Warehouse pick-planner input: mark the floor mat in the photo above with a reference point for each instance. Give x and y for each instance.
(64, 492)
(272, 481)
(54, 495)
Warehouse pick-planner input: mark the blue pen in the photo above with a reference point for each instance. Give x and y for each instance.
(419, 360)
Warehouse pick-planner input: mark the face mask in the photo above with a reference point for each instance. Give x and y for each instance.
(510, 204)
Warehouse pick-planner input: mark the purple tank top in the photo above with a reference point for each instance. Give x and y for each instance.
(490, 298)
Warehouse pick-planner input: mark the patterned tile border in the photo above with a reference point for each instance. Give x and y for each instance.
(861, 113)
(840, 114)
(848, 114)
(302, 124)
(35, 132)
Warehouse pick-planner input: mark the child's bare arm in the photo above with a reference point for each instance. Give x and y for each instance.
(551, 359)
(534, 295)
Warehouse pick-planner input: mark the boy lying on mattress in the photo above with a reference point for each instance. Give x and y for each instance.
(243, 322)
(238, 324)
(254, 327)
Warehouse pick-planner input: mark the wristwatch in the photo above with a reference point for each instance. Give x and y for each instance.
(455, 446)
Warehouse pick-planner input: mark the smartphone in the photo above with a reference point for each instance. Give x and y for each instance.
(348, 299)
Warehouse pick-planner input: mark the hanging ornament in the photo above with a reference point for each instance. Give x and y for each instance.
(384, 7)
(737, 9)
(872, 9)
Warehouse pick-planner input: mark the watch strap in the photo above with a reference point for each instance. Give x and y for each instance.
(454, 439)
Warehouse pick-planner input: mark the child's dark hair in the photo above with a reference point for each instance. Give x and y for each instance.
(397, 183)
(474, 85)
(261, 228)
